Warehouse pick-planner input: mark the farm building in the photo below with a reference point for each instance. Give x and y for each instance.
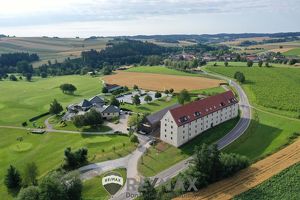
(152, 122)
(112, 87)
(180, 125)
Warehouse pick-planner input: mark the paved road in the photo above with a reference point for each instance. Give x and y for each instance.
(234, 134)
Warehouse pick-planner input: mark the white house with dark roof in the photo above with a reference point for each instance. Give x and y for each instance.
(180, 125)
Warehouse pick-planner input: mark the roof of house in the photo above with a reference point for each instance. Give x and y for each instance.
(85, 104)
(197, 109)
(97, 100)
(156, 117)
(109, 109)
(111, 86)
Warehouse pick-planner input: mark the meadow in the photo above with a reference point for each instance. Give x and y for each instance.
(266, 134)
(284, 185)
(275, 88)
(292, 52)
(93, 189)
(23, 100)
(159, 70)
(157, 160)
(50, 147)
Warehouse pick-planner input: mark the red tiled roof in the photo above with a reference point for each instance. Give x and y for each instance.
(197, 109)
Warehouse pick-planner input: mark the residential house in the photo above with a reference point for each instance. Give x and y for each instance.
(180, 125)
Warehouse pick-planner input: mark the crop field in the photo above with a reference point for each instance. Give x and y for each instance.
(284, 185)
(160, 82)
(50, 48)
(256, 174)
(29, 99)
(50, 147)
(275, 88)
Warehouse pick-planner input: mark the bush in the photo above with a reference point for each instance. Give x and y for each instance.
(232, 163)
(29, 193)
(134, 139)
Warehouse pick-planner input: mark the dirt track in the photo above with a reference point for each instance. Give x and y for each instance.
(161, 82)
(250, 177)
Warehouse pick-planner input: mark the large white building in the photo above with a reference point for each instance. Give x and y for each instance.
(180, 125)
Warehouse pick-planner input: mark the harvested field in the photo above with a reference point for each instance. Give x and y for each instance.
(250, 177)
(161, 82)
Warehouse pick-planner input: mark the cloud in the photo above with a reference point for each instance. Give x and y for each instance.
(38, 12)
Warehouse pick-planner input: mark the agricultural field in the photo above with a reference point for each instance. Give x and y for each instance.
(275, 89)
(292, 52)
(284, 185)
(50, 147)
(151, 164)
(160, 82)
(50, 48)
(93, 189)
(30, 99)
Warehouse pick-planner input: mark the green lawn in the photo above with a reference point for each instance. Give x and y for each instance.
(284, 185)
(292, 52)
(209, 91)
(276, 88)
(150, 107)
(47, 150)
(93, 189)
(159, 70)
(29, 99)
(56, 122)
(155, 161)
(164, 70)
(266, 134)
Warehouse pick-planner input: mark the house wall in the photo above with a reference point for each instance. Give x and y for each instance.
(110, 115)
(168, 129)
(177, 136)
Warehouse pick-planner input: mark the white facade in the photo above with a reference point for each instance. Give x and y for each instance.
(176, 135)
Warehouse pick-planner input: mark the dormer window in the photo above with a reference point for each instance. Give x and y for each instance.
(197, 114)
(183, 119)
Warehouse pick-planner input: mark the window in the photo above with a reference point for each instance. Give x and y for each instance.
(165, 135)
(171, 126)
(171, 132)
(171, 138)
(183, 137)
(165, 124)
(165, 130)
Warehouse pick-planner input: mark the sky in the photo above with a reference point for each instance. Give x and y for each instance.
(84, 18)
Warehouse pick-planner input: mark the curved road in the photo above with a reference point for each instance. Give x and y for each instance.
(230, 137)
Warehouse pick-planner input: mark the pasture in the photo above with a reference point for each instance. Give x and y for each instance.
(50, 48)
(284, 185)
(23, 100)
(160, 82)
(50, 147)
(276, 88)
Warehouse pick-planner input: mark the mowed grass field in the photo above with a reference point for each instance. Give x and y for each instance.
(284, 185)
(51, 48)
(292, 52)
(93, 189)
(158, 159)
(47, 150)
(160, 82)
(275, 89)
(22, 100)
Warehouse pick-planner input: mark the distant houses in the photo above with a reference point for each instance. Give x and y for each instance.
(97, 103)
